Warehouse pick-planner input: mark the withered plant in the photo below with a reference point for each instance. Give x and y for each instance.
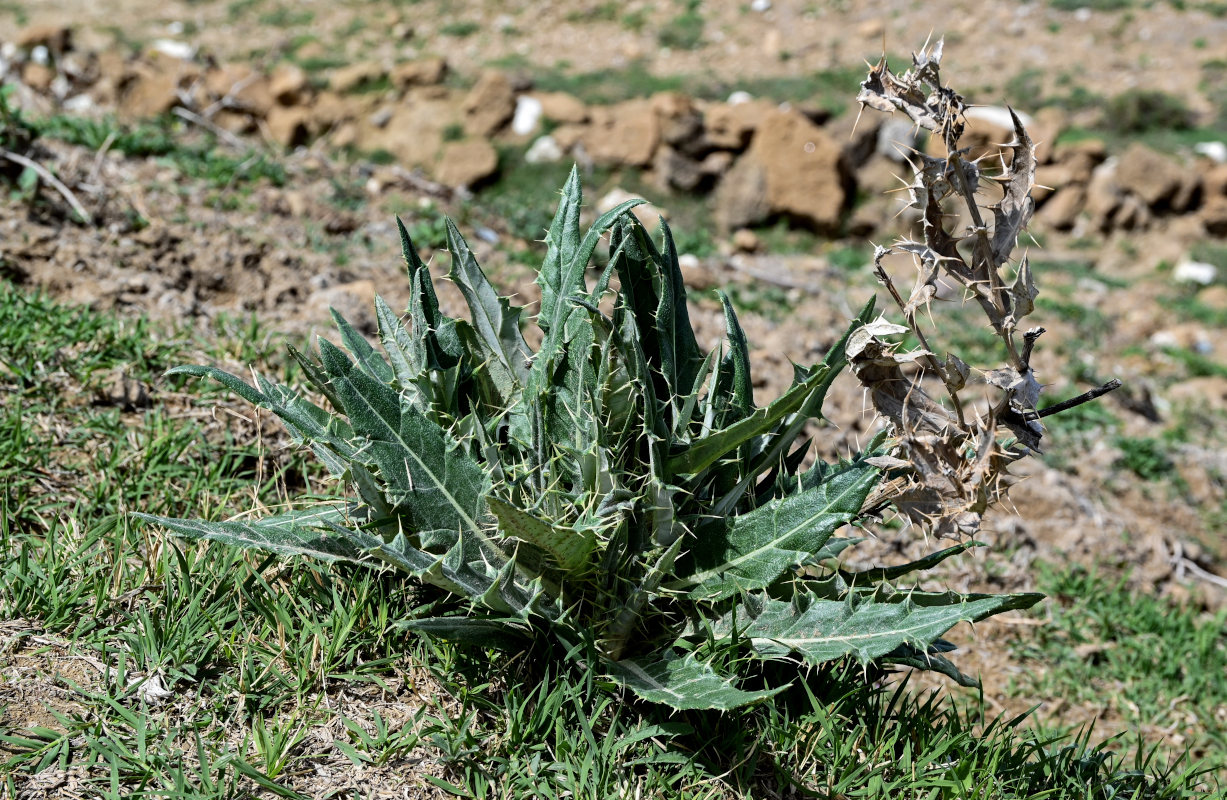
(950, 461)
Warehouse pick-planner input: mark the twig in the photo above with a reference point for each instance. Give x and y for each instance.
(55, 182)
(1085, 397)
(221, 133)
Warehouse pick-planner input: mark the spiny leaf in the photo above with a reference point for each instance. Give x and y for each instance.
(496, 322)
(683, 682)
(866, 627)
(758, 547)
(317, 532)
(571, 549)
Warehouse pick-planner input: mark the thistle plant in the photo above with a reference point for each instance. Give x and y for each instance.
(618, 489)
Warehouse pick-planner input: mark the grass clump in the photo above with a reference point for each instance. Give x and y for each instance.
(1139, 111)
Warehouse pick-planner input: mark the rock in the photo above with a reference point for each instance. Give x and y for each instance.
(1049, 122)
(1050, 178)
(544, 150)
(806, 175)
(466, 163)
(527, 115)
(646, 213)
(1214, 181)
(330, 108)
(568, 136)
(1060, 212)
(1153, 178)
(1213, 297)
(243, 86)
(415, 133)
(288, 126)
(56, 38)
(625, 134)
(288, 84)
(1214, 215)
(741, 197)
(489, 105)
(746, 241)
(681, 123)
(858, 138)
(37, 76)
(234, 121)
(1103, 196)
(1081, 158)
(423, 72)
(1195, 272)
(676, 171)
(561, 107)
(148, 93)
(730, 126)
(173, 48)
(353, 76)
(716, 164)
(1215, 151)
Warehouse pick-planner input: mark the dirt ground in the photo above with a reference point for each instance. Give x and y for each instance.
(289, 253)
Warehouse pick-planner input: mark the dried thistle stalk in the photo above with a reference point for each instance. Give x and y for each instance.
(947, 469)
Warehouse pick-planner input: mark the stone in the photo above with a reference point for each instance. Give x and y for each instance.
(415, 133)
(330, 109)
(353, 76)
(288, 126)
(741, 196)
(1213, 215)
(1199, 272)
(674, 170)
(1214, 297)
(806, 176)
(148, 93)
(466, 163)
(625, 134)
(746, 241)
(561, 107)
(489, 105)
(242, 86)
(1049, 122)
(647, 214)
(1214, 181)
(527, 117)
(56, 38)
(1081, 158)
(1051, 178)
(730, 126)
(1154, 178)
(1061, 210)
(544, 150)
(37, 76)
(288, 84)
(681, 123)
(423, 72)
(1103, 196)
